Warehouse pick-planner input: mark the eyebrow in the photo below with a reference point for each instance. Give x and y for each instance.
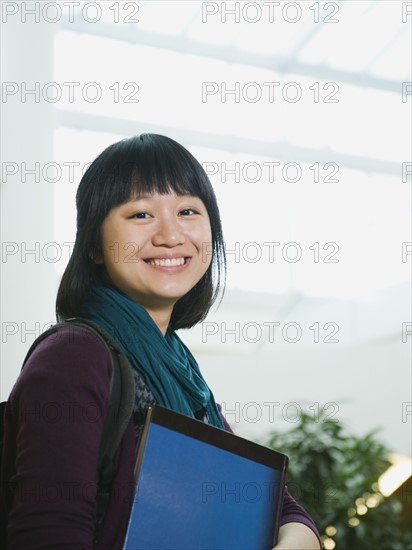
(139, 197)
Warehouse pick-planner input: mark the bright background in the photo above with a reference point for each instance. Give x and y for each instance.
(321, 323)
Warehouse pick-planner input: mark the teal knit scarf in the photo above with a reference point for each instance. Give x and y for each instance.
(164, 362)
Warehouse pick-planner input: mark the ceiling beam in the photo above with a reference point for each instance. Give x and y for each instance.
(229, 54)
(281, 150)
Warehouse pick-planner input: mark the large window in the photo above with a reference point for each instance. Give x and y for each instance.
(304, 140)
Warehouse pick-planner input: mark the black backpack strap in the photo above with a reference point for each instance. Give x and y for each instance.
(122, 398)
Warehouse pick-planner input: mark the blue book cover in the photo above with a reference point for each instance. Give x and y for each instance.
(199, 487)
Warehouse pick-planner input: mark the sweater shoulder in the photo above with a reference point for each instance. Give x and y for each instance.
(71, 357)
(68, 344)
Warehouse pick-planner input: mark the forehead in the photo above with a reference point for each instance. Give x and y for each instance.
(161, 196)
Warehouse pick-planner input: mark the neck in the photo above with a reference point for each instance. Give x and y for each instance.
(161, 317)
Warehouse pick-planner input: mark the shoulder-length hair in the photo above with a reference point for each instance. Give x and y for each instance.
(145, 164)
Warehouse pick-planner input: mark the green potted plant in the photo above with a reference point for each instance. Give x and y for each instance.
(334, 475)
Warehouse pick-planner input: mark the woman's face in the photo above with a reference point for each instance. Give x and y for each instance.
(157, 247)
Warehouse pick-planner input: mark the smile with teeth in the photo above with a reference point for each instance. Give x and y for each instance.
(166, 262)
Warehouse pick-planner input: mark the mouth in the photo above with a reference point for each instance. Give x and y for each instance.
(167, 262)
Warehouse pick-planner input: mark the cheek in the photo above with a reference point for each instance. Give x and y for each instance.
(205, 246)
(205, 232)
(121, 248)
(112, 244)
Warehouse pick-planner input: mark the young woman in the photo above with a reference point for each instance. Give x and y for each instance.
(141, 268)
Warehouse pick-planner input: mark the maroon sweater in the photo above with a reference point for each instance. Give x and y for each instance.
(53, 428)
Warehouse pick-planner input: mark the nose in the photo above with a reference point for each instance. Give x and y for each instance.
(168, 232)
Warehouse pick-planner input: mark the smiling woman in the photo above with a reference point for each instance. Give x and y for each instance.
(153, 250)
(148, 259)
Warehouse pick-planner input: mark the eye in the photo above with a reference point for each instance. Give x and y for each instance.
(188, 212)
(139, 216)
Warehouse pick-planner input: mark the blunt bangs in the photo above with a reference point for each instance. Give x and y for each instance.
(138, 166)
(166, 167)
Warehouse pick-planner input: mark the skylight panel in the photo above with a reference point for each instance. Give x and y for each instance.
(364, 28)
(168, 18)
(395, 62)
(277, 37)
(208, 26)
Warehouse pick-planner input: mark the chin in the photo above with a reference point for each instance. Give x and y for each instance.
(173, 294)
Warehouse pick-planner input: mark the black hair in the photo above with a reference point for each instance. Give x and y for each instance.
(143, 164)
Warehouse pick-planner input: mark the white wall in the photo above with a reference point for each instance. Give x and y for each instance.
(367, 384)
(28, 281)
